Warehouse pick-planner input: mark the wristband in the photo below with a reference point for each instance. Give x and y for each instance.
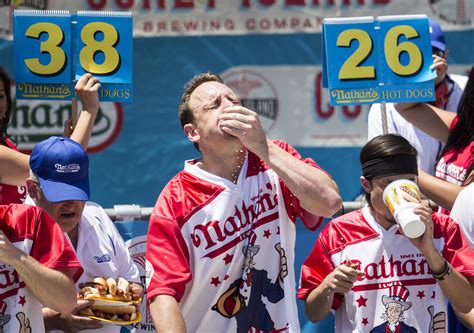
(440, 276)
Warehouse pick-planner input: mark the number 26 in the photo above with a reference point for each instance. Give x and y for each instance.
(52, 46)
(352, 69)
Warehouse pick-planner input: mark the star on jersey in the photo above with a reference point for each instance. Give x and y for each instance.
(361, 301)
(215, 281)
(22, 300)
(365, 321)
(420, 294)
(228, 258)
(267, 233)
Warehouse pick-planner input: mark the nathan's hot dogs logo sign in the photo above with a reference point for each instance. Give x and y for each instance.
(53, 49)
(371, 60)
(34, 121)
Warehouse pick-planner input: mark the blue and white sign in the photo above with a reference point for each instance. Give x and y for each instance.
(372, 60)
(54, 48)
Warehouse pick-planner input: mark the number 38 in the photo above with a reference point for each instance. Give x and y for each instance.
(86, 56)
(352, 69)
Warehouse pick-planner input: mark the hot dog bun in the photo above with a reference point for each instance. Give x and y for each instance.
(123, 286)
(112, 286)
(108, 297)
(100, 280)
(118, 310)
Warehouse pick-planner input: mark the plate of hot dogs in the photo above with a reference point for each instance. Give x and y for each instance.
(113, 301)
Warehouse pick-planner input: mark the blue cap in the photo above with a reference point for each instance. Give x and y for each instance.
(62, 167)
(437, 36)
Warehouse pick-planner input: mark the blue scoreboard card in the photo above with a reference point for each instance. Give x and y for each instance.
(368, 60)
(53, 49)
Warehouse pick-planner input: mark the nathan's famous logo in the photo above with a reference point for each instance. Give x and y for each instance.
(389, 268)
(355, 96)
(34, 120)
(211, 235)
(255, 93)
(30, 90)
(458, 12)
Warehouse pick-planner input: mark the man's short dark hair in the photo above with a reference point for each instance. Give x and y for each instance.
(185, 113)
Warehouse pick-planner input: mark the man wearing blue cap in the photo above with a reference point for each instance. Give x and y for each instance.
(449, 89)
(59, 183)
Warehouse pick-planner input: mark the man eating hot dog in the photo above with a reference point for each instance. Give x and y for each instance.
(59, 183)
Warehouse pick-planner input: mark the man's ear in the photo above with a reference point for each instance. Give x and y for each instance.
(366, 184)
(191, 132)
(32, 188)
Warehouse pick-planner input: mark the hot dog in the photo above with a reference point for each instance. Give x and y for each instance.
(112, 285)
(114, 300)
(109, 289)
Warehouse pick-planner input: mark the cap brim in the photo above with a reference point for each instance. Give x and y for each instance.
(58, 191)
(439, 45)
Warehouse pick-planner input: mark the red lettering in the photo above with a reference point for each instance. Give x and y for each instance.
(352, 114)
(267, 2)
(392, 268)
(250, 24)
(124, 4)
(8, 278)
(175, 26)
(147, 26)
(161, 26)
(205, 230)
(230, 227)
(381, 2)
(190, 25)
(294, 22)
(324, 114)
(183, 4)
(97, 4)
(295, 2)
(211, 233)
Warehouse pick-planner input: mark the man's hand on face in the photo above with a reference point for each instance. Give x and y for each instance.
(245, 125)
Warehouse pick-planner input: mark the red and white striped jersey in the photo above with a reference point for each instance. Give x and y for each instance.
(396, 272)
(216, 247)
(36, 234)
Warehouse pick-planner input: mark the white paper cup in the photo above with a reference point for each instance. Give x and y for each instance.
(410, 223)
(401, 197)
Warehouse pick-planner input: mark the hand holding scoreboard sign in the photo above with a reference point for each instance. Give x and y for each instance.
(368, 60)
(53, 48)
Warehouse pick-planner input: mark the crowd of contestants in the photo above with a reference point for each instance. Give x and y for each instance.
(221, 238)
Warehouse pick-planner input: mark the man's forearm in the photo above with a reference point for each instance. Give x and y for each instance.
(52, 288)
(455, 286)
(317, 192)
(14, 167)
(166, 314)
(440, 191)
(318, 303)
(83, 129)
